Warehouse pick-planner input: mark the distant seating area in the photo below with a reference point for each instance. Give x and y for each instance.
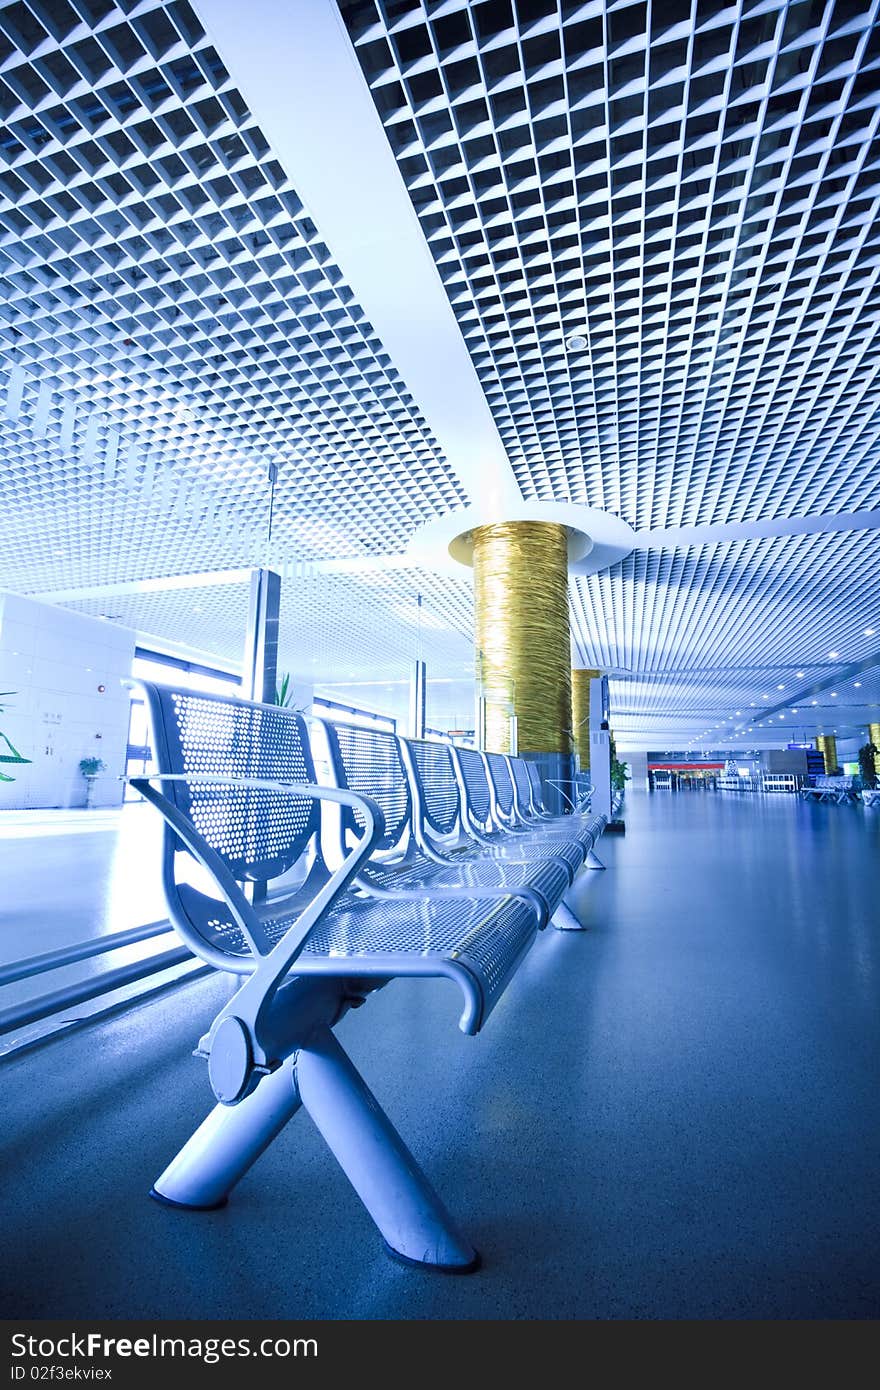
(407, 858)
(871, 797)
(838, 789)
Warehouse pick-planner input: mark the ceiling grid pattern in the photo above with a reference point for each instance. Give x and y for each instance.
(694, 190)
(171, 322)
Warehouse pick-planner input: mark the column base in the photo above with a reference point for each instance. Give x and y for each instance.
(557, 776)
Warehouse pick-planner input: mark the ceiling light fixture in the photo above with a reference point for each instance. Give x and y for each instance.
(832, 656)
(575, 342)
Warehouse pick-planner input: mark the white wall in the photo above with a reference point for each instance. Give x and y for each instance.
(637, 766)
(55, 661)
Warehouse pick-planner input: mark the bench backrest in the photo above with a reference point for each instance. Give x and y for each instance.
(438, 790)
(475, 779)
(258, 834)
(503, 784)
(534, 773)
(369, 761)
(523, 785)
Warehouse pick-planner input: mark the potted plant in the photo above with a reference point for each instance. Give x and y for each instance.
(619, 774)
(13, 755)
(90, 768)
(284, 694)
(867, 766)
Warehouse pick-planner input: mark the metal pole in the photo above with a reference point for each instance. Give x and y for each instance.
(260, 665)
(83, 950)
(227, 1143)
(417, 700)
(33, 1010)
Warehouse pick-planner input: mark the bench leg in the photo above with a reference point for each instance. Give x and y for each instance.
(231, 1139)
(416, 1226)
(564, 919)
(593, 861)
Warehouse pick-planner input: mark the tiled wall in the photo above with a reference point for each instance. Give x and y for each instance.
(56, 662)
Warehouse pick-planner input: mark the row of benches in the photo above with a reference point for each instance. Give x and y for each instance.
(405, 858)
(834, 788)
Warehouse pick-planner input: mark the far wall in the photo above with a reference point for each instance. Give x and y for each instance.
(56, 662)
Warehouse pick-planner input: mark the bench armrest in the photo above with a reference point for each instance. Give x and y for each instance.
(249, 1006)
(560, 787)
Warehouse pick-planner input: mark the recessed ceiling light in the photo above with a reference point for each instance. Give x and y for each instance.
(869, 632)
(780, 687)
(575, 342)
(834, 694)
(832, 656)
(799, 675)
(857, 685)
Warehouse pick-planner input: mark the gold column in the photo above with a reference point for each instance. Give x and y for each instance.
(827, 746)
(521, 633)
(580, 714)
(874, 737)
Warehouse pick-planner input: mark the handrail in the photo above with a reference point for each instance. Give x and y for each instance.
(29, 966)
(33, 1010)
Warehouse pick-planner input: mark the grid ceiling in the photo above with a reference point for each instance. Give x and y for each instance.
(710, 631)
(172, 323)
(692, 188)
(337, 626)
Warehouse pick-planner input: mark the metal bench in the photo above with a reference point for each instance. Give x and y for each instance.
(839, 790)
(479, 808)
(442, 822)
(561, 829)
(404, 863)
(242, 807)
(579, 823)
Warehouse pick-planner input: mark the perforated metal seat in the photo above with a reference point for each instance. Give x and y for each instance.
(580, 823)
(242, 800)
(438, 819)
(507, 845)
(256, 834)
(371, 762)
(476, 944)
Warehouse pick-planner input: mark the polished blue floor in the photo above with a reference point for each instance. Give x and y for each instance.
(673, 1115)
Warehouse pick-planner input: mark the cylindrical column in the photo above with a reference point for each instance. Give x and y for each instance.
(827, 746)
(580, 714)
(874, 737)
(521, 632)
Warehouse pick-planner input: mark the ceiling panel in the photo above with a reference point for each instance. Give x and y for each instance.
(692, 191)
(171, 323)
